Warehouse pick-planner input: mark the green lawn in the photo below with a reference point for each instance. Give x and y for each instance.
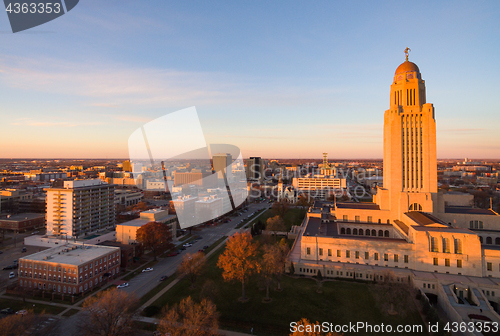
(341, 302)
(36, 307)
(293, 216)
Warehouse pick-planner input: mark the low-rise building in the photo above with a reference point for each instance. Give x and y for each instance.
(23, 222)
(126, 232)
(70, 268)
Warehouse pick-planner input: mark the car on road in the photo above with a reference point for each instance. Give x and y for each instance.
(10, 267)
(149, 269)
(22, 312)
(187, 245)
(123, 285)
(163, 278)
(12, 275)
(173, 254)
(205, 247)
(6, 311)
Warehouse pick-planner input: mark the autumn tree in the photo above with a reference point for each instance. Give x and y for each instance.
(269, 266)
(281, 208)
(190, 319)
(239, 259)
(108, 313)
(275, 224)
(306, 328)
(155, 236)
(192, 266)
(13, 325)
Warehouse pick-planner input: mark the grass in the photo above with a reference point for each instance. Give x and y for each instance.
(36, 307)
(340, 303)
(293, 216)
(185, 237)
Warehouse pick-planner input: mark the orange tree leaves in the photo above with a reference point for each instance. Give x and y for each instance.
(155, 236)
(239, 259)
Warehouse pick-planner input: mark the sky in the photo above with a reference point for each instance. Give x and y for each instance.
(278, 79)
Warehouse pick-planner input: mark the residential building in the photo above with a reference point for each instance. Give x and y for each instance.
(79, 208)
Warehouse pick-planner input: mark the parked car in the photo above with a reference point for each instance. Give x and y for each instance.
(149, 269)
(173, 254)
(12, 275)
(201, 250)
(205, 247)
(163, 278)
(24, 249)
(6, 311)
(21, 312)
(187, 245)
(123, 285)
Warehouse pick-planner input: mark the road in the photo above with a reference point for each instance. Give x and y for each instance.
(145, 282)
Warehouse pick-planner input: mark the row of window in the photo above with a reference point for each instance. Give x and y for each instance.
(58, 278)
(447, 262)
(489, 240)
(406, 258)
(446, 245)
(367, 232)
(489, 266)
(369, 219)
(474, 224)
(49, 267)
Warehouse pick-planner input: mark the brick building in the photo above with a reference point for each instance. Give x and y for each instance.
(70, 268)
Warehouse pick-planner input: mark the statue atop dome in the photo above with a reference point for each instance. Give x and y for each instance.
(407, 50)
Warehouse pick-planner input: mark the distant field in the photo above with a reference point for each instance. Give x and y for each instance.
(341, 302)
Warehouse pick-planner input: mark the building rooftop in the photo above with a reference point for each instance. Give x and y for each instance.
(359, 206)
(468, 210)
(71, 253)
(22, 216)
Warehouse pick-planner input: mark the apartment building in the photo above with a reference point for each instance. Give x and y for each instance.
(80, 207)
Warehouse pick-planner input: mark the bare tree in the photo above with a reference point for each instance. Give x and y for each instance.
(192, 266)
(275, 224)
(190, 319)
(108, 313)
(394, 293)
(281, 208)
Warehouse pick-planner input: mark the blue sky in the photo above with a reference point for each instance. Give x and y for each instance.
(281, 79)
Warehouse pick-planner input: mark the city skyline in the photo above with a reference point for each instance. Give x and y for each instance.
(299, 81)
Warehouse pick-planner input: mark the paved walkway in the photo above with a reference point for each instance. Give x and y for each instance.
(221, 332)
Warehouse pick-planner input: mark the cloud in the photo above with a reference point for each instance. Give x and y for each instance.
(34, 123)
(127, 86)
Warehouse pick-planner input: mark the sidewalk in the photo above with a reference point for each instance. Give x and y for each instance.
(221, 332)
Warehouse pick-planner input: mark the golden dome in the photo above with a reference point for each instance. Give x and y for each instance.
(406, 67)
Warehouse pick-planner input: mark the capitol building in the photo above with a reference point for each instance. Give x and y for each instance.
(410, 229)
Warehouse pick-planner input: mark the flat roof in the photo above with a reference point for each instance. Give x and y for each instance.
(359, 206)
(22, 216)
(136, 222)
(71, 254)
(468, 210)
(423, 218)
